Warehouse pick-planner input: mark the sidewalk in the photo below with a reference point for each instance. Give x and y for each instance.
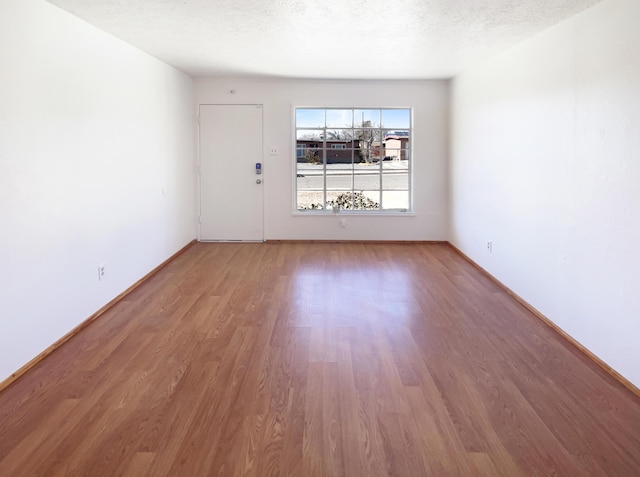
(387, 166)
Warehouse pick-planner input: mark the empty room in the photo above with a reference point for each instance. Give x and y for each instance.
(329, 238)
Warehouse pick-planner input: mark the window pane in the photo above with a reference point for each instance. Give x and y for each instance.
(395, 200)
(310, 200)
(339, 155)
(342, 199)
(339, 118)
(309, 155)
(366, 180)
(368, 141)
(395, 179)
(396, 118)
(339, 180)
(316, 135)
(348, 200)
(309, 118)
(369, 118)
(368, 135)
(344, 135)
(367, 200)
(396, 139)
(309, 177)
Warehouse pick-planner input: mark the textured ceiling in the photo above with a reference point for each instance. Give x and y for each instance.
(360, 39)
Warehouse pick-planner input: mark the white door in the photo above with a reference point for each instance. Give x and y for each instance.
(231, 199)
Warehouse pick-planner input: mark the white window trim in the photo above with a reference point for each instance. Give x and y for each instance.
(409, 212)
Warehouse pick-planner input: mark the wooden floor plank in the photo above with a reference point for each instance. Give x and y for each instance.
(314, 359)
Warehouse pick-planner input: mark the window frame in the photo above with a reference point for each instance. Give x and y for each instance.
(326, 147)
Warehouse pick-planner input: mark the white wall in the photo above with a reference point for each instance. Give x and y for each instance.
(96, 166)
(430, 100)
(546, 164)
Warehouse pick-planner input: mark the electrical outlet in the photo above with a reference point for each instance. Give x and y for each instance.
(101, 270)
(274, 150)
(489, 246)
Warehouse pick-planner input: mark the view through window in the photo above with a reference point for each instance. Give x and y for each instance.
(354, 159)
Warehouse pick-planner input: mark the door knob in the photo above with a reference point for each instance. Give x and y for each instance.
(258, 181)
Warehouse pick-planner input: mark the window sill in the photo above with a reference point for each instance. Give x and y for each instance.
(359, 213)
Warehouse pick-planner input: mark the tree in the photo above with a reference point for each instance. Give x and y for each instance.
(340, 134)
(311, 156)
(366, 135)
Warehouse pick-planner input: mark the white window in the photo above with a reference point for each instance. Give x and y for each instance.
(353, 158)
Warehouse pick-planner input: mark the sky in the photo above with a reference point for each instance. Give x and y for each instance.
(347, 118)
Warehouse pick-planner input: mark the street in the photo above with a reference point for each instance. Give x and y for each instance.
(395, 176)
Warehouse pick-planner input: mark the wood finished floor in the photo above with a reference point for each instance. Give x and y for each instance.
(313, 359)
